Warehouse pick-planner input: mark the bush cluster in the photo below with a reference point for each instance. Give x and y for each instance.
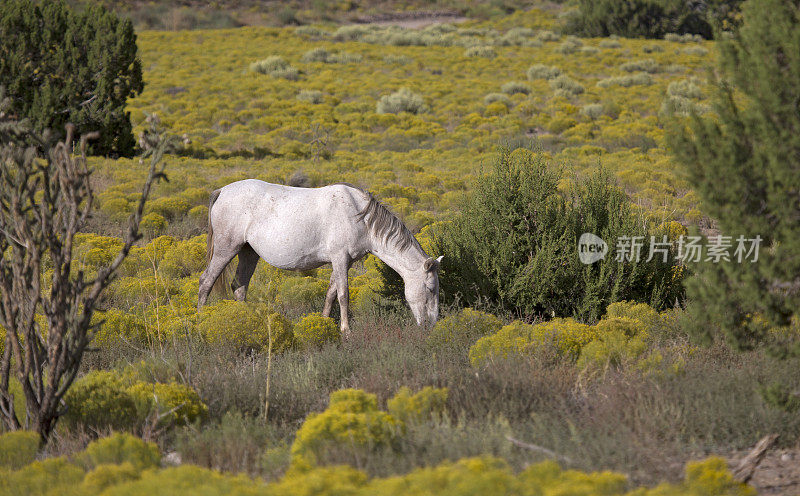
(122, 464)
(514, 244)
(102, 399)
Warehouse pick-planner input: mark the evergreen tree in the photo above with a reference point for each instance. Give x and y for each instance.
(744, 163)
(514, 245)
(60, 66)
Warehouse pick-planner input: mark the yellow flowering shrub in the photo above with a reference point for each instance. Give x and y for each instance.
(565, 336)
(244, 325)
(621, 337)
(184, 258)
(121, 448)
(352, 421)
(100, 399)
(51, 476)
(108, 475)
(410, 407)
(314, 330)
(484, 475)
(153, 223)
(620, 340)
(18, 448)
(465, 326)
(641, 312)
(181, 400)
(104, 399)
(302, 291)
(118, 324)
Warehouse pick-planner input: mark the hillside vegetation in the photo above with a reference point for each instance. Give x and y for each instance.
(573, 394)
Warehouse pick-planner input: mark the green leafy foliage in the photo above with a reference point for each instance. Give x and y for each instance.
(645, 18)
(514, 243)
(61, 65)
(743, 162)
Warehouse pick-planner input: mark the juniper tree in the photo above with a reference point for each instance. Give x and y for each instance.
(60, 65)
(744, 163)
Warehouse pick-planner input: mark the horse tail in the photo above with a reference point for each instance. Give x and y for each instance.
(223, 281)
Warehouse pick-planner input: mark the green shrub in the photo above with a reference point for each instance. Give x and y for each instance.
(540, 71)
(610, 44)
(514, 87)
(514, 244)
(642, 18)
(275, 66)
(100, 400)
(61, 65)
(566, 86)
(687, 88)
(403, 100)
(350, 33)
(696, 50)
(569, 46)
(314, 330)
(497, 98)
(428, 403)
(480, 51)
(593, 111)
(464, 327)
(546, 35)
(318, 54)
(644, 65)
(18, 448)
(122, 448)
(640, 79)
(310, 96)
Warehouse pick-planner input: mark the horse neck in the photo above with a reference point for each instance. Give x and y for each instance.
(404, 262)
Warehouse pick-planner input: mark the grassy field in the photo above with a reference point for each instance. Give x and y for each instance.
(309, 105)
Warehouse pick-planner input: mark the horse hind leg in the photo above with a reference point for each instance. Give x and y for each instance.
(223, 255)
(248, 259)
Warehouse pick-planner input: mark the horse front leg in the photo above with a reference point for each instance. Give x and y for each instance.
(329, 297)
(248, 260)
(343, 292)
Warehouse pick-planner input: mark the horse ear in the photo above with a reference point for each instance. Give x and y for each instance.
(431, 264)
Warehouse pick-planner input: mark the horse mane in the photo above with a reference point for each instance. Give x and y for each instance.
(383, 223)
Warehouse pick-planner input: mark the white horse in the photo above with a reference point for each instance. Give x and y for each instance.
(304, 228)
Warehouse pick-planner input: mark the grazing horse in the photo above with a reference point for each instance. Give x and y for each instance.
(304, 228)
